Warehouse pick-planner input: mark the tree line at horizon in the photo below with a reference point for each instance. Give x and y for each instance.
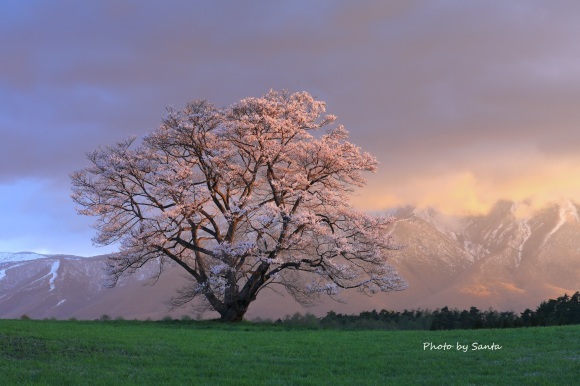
(565, 310)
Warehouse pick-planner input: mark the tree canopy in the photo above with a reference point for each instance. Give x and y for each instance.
(241, 198)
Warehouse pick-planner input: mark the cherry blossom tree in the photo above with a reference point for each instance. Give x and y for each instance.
(242, 198)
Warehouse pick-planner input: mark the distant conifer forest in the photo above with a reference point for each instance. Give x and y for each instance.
(564, 310)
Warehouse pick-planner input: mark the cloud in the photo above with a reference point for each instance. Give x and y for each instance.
(535, 180)
(463, 103)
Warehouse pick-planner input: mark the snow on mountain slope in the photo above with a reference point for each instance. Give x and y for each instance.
(567, 212)
(10, 257)
(526, 232)
(68, 286)
(51, 275)
(510, 258)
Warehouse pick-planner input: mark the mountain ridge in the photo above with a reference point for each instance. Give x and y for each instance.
(502, 260)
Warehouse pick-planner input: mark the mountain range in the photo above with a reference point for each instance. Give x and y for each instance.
(509, 259)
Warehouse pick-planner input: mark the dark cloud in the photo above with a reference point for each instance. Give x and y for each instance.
(431, 88)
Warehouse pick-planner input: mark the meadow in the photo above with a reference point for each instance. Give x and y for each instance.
(178, 352)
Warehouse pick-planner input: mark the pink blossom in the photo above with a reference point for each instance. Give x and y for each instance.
(239, 197)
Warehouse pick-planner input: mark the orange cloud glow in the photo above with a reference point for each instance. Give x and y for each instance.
(540, 183)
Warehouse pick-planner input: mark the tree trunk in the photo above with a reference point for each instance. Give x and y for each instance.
(237, 302)
(234, 312)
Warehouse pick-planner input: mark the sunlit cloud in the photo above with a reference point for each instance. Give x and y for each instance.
(533, 181)
(463, 103)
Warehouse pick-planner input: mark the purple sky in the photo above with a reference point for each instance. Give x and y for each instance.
(463, 102)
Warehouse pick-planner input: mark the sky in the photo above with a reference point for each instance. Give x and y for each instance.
(462, 102)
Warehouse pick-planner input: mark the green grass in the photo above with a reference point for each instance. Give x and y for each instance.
(124, 352)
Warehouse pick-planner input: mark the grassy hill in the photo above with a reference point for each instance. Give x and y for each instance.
(132, 352)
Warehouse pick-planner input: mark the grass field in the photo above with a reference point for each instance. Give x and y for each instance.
(156, 353)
